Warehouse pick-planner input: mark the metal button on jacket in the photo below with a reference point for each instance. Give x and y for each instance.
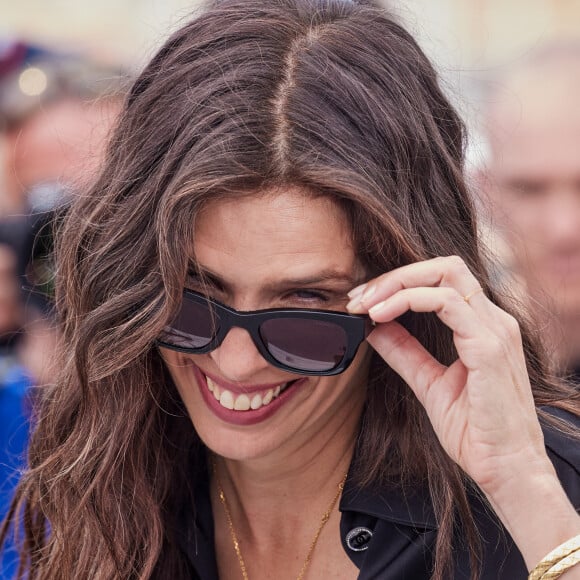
(358, 539)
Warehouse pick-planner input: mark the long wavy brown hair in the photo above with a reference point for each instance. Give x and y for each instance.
(330, 95)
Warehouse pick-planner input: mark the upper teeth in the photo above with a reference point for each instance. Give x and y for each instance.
(243, 402)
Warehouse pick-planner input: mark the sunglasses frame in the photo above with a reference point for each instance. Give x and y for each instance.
(356, 326)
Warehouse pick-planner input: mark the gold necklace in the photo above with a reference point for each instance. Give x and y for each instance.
(236, 543)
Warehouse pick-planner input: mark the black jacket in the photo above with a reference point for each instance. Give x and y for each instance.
(390, 534)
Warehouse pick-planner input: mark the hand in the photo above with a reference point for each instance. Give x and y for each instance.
(481, 406)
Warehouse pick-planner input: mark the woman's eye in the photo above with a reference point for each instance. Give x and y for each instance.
(529, 188)
(310, 295)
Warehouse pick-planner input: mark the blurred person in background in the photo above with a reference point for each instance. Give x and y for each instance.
(533, 182)
(55, 112)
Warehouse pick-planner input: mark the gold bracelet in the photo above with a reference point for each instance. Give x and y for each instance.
(564, 564)
(557, 555)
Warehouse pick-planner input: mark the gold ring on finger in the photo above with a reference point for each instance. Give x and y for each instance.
(469, 296)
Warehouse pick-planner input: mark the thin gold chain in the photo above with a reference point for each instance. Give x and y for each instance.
(236, 543)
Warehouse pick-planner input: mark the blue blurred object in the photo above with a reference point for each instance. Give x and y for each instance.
(14, 430)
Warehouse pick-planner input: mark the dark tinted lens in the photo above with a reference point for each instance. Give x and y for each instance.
(194, 326)
(305, 344)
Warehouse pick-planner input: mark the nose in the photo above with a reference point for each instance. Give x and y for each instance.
(237, 357)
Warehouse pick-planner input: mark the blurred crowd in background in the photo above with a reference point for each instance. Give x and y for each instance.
(57, 107)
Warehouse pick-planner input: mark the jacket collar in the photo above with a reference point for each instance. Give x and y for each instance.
(410, 506)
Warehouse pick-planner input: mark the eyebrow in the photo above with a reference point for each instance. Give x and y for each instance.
(329, 276)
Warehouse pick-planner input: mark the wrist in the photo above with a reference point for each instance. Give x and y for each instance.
(536, 512)
(528, 473)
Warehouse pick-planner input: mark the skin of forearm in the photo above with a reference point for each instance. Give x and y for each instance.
(538, 515)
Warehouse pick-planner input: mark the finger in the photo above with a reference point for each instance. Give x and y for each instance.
(480, 344)
(437, 387)
(446, 303)
(416, 366)
(447, 272)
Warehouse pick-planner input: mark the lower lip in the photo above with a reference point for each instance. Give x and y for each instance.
(250, 417)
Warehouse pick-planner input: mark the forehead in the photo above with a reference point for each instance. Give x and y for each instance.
(542, 151)
(268, 235)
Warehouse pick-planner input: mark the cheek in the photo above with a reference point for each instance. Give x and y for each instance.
(174, 363)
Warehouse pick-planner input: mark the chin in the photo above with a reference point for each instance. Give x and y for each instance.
(234, 447)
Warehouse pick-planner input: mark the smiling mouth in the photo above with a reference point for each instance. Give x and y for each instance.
(243, 401)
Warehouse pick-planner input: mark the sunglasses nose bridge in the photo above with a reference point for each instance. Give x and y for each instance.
(237, 357)
(246, 321)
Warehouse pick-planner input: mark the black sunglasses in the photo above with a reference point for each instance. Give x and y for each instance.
(303, 341)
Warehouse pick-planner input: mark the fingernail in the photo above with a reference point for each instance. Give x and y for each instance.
(354, 305)
(356, 291)
(377, 308)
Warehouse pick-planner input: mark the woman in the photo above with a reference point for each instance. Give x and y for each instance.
(294, 155)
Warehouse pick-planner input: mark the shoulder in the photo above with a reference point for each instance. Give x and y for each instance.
(564, 451)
